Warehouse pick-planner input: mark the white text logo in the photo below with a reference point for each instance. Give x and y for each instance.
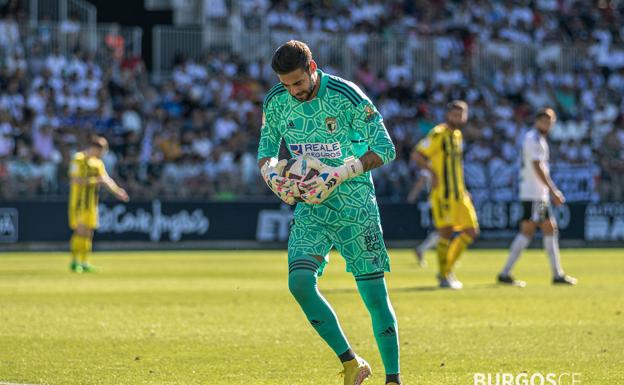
(527, 379)
(117, 220)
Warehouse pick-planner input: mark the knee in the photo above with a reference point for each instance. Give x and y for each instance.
(83, 231)
(301, 286)
(550, 228)
(553, 231)
(375, 301)
(446, 233)
(527, 229)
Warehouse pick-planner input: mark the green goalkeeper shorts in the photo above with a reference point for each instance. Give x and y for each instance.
(355, 231)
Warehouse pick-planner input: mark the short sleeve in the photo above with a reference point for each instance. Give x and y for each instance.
(74, 168)
(428, 146)
(101, 169)
(534, 149)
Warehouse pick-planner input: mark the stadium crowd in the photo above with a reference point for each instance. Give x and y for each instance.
(519, 21)
(200, 129)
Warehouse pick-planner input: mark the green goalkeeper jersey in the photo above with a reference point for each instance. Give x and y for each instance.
(339, 122)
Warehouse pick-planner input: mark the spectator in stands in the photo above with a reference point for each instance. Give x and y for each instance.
(209, 112)
(9, 33)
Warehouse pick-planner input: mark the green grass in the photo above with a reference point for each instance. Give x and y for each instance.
(227, 318)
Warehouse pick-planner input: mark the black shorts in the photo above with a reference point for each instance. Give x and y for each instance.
(536, 211)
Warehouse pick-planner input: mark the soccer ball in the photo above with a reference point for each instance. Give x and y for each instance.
(298, 169)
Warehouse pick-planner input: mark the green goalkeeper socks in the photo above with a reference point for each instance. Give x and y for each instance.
(303, 286)
(375, 296)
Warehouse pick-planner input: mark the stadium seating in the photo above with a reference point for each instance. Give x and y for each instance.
(201, 127)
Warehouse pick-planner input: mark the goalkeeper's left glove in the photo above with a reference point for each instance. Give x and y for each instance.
(284, 188)
(318, 189)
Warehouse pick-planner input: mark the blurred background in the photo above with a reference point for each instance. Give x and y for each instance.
(176, 86)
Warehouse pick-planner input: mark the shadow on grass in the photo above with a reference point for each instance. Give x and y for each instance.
(416, 289)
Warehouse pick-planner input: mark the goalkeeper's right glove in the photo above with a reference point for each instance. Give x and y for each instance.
(284, 188)
(317, 189)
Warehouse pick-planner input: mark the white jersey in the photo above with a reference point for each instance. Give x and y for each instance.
(534, 147)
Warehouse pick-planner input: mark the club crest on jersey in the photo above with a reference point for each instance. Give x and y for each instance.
(370, 113)
(317, 150)
(331, 124)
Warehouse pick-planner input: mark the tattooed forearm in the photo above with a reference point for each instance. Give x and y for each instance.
(370, 160)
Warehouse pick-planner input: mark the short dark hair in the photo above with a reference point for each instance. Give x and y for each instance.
(457, 105)
(546, 112)
(291, 56)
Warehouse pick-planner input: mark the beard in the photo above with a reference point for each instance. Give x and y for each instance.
(458, 125)
(305, 95)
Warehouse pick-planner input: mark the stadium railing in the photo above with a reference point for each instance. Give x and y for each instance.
(424, 54)
(157, 5)
(168, 42)
(330, 49)
(99, 39)
(57, 10)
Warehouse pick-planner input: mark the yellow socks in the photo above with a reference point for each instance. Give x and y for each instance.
(75, 246)
(80, 248)
(442, 249)
(86, 250)
(457, 246)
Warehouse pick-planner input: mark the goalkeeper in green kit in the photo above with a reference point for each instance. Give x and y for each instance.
(330, 122)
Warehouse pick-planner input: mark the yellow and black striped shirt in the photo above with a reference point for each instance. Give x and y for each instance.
(443, 147)
(84, 196)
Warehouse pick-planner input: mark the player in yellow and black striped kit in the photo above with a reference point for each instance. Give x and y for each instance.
(440, 153)
(87, 173)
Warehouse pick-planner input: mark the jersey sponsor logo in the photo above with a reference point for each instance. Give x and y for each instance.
(331, 124)
(317, 150)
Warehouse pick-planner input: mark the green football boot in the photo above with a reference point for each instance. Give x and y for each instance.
(75, 267)
(88, 268)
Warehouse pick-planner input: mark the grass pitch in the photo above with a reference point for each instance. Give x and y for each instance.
(227, 318)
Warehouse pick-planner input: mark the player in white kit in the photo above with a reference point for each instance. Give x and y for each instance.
(537, 191)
